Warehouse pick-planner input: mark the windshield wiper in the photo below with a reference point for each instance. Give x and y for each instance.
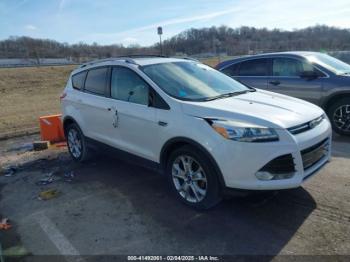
(230, 94)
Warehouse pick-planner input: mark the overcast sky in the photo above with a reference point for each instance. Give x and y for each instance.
(135, 21)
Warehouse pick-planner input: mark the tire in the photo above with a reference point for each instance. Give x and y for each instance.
(339, 115)
(203, 192)
(77, 144)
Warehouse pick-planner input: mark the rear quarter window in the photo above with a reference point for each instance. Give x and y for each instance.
(78, 80)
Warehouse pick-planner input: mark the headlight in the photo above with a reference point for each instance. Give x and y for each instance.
(239, 132)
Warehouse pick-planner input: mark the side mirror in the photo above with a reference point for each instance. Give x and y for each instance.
(309, 75)
(157, 101)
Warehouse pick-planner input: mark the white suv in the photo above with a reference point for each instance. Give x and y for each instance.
(207, 132)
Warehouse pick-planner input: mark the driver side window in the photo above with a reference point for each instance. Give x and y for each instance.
(126, 85)
(292, 67)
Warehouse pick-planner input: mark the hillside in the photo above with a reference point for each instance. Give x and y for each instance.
(213, 40)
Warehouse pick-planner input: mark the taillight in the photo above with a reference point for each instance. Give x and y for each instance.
(63, 96)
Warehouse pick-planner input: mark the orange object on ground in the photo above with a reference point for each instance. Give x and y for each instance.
(51, 128)
(4, 224)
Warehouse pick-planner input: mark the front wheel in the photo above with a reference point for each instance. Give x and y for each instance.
(193, 179)
(339, 115)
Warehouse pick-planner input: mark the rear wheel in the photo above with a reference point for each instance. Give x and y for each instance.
(193, 179)
(339, 115)
(77, 145)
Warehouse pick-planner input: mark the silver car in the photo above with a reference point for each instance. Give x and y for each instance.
(315, 77)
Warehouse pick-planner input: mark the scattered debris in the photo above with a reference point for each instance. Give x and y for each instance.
(18, 251)
(68, 177)
(48, 194)
(56, 175)
(4, 224)
(48, 179)
(9, 171)
(41, 145)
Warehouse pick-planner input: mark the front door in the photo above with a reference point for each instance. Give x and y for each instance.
(133, 120)
(287, 79)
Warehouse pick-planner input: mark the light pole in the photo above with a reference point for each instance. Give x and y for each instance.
(160, 32)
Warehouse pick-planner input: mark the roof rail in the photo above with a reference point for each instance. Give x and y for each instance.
(190, 58)
(142, 55)
(125, 58)
(129, 59)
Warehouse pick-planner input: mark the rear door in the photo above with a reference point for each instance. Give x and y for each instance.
(134, 121)
(252, 72)
(286, 79)
(94, 104)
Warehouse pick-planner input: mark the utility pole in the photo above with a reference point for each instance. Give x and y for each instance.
(160, 32)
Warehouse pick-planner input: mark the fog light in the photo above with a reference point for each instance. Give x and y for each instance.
(263, 175)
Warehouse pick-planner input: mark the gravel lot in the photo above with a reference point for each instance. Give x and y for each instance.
(115, 207)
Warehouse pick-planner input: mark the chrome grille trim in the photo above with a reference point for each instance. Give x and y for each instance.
(306, 126)
(315, 153)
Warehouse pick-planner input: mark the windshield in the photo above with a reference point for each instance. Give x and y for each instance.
(192, 81)
(336, 66)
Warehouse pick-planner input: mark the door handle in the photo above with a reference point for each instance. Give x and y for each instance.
(275, 83)
(115, 119)
(161, 123)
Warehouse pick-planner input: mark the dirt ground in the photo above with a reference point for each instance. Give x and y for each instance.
(113, 207)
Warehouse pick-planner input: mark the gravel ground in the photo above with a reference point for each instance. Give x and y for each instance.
(113, 207)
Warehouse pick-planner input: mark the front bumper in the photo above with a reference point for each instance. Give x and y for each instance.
(239, 168)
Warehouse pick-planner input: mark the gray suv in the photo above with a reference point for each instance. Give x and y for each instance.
(315, 77)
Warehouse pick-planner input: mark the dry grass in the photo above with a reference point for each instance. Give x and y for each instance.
(213, 61)
(28, 93)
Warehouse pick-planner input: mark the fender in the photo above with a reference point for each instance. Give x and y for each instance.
(334, 96)
(178, 141)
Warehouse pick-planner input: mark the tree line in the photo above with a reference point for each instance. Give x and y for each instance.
(246, 40)
(209, 41)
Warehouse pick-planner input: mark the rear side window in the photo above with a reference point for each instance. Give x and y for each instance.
(256, 67)
(78, 80)
(96, 81)
(126, 85)
(231, 70)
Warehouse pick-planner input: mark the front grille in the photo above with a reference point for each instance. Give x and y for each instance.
(315, 153)
(306, 126)
(280, 165)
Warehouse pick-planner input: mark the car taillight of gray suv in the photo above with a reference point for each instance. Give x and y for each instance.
(315, 77)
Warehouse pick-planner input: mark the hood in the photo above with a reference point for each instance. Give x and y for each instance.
(260, 108)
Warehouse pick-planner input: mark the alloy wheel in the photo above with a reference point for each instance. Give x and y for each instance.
(189, 179)
(341, 118)
(74, 143)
